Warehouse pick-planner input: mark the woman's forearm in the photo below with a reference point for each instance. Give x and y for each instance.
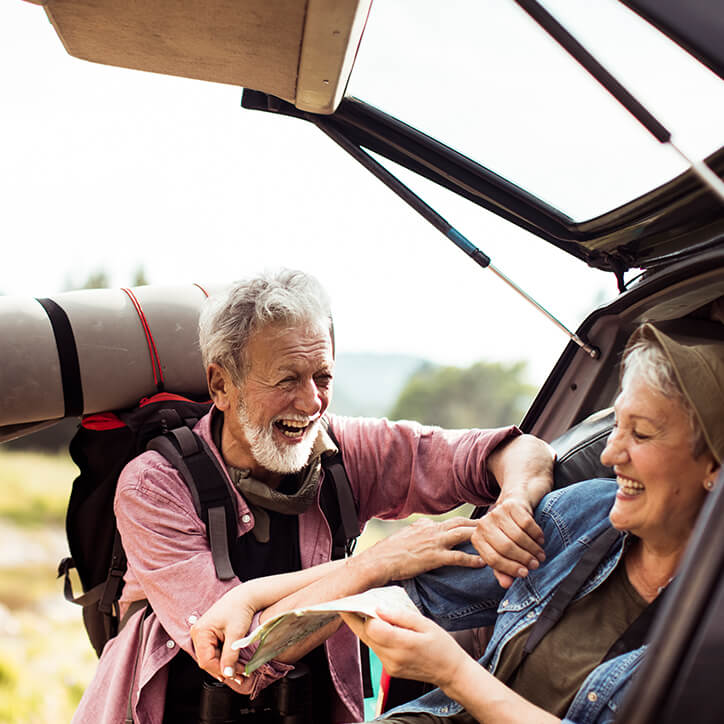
(490, 701)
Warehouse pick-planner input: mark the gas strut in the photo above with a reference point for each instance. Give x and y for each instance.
(428, 213)
(626, 99)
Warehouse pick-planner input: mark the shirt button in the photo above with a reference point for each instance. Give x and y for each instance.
(170, 644)
(245, 518)
(530, 614)
(192, 619)
(592, 696)
(505, 603)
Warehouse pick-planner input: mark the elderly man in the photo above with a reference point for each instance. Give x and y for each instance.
(268, 349)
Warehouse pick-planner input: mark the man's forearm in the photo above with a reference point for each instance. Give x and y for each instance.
(523, 468)
(344, 578)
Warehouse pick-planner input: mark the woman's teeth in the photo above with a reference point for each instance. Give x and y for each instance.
(629, 487)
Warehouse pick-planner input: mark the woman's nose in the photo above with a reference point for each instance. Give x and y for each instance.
(615, 451)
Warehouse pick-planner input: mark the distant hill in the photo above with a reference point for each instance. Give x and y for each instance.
(369, 384)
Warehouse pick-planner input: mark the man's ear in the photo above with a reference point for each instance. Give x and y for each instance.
(219, 383)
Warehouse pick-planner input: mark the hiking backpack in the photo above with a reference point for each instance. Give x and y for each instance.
(103, 445)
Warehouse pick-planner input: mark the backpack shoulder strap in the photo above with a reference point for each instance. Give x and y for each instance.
(200, 470)
(334, 467)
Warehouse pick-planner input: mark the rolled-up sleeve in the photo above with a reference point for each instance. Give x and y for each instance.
(455, 597)
(400, 468)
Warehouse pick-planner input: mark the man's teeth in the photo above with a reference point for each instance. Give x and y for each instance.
(628, 486)
(292, 428)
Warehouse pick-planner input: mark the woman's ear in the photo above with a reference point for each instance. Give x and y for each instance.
(219, 384)
(711, 475)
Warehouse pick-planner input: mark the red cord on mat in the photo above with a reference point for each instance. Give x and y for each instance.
(153, 353)
(201, 288)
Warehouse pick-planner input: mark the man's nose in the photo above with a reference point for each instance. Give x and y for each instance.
(309, 400)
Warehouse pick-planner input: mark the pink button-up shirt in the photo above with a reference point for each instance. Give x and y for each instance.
(395, 469)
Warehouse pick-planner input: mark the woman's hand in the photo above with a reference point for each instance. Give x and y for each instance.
(410, 646)
(212, 635)
(419, 547)
(509, 540)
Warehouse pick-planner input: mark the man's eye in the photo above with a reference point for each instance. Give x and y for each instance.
(640, 435)
(323, 380)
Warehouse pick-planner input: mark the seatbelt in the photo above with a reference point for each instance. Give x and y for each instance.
(632, 638)
(568, 588)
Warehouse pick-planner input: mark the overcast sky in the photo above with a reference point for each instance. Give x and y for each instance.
(107, 168)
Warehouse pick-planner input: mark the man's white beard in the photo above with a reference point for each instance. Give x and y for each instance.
(277, 458)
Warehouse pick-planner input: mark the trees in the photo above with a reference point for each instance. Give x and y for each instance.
(483, 395)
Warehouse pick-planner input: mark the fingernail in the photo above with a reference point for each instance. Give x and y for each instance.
(522, 572)
(541, 557)
(220, 678)
(237, 681)
(533, 564)
(229, 671)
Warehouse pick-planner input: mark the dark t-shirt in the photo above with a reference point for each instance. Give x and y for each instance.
(555, 670)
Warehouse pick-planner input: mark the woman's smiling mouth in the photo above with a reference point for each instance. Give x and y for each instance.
(629, 487)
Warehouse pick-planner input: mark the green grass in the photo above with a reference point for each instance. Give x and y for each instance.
(46, 660)
(34, 487)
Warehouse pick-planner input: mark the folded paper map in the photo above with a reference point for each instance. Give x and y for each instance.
(286, 629)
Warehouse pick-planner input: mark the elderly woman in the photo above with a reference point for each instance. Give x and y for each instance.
(611, 549)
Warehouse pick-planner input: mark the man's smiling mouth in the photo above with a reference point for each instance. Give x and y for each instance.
(293, 429)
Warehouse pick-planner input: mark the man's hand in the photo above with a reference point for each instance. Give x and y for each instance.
(509, 540)
(419, 547)
(212, 635)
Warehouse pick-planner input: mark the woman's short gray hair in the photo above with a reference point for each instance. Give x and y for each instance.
(227, 321)
(646, 360)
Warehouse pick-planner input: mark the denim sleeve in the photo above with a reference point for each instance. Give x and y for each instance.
(457, 598)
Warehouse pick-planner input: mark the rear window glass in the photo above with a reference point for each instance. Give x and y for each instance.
(483, 78)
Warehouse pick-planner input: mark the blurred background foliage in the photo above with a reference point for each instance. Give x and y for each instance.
(45, 658)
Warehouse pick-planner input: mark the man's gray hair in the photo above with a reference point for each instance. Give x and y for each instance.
(227, 321)
(647, 361)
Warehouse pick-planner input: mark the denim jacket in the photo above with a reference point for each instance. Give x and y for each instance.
(461, 598)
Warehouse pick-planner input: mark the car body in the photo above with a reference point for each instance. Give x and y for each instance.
(294, 59)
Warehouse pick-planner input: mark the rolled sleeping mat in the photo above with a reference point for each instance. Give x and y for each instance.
(92, 350)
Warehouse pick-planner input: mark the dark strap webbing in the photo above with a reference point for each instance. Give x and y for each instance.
(67, 356)
(134, 608)
(212, 498)
(364, 655)
(334, 466)
(568, 588)
(116, 571)
(635, 635)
